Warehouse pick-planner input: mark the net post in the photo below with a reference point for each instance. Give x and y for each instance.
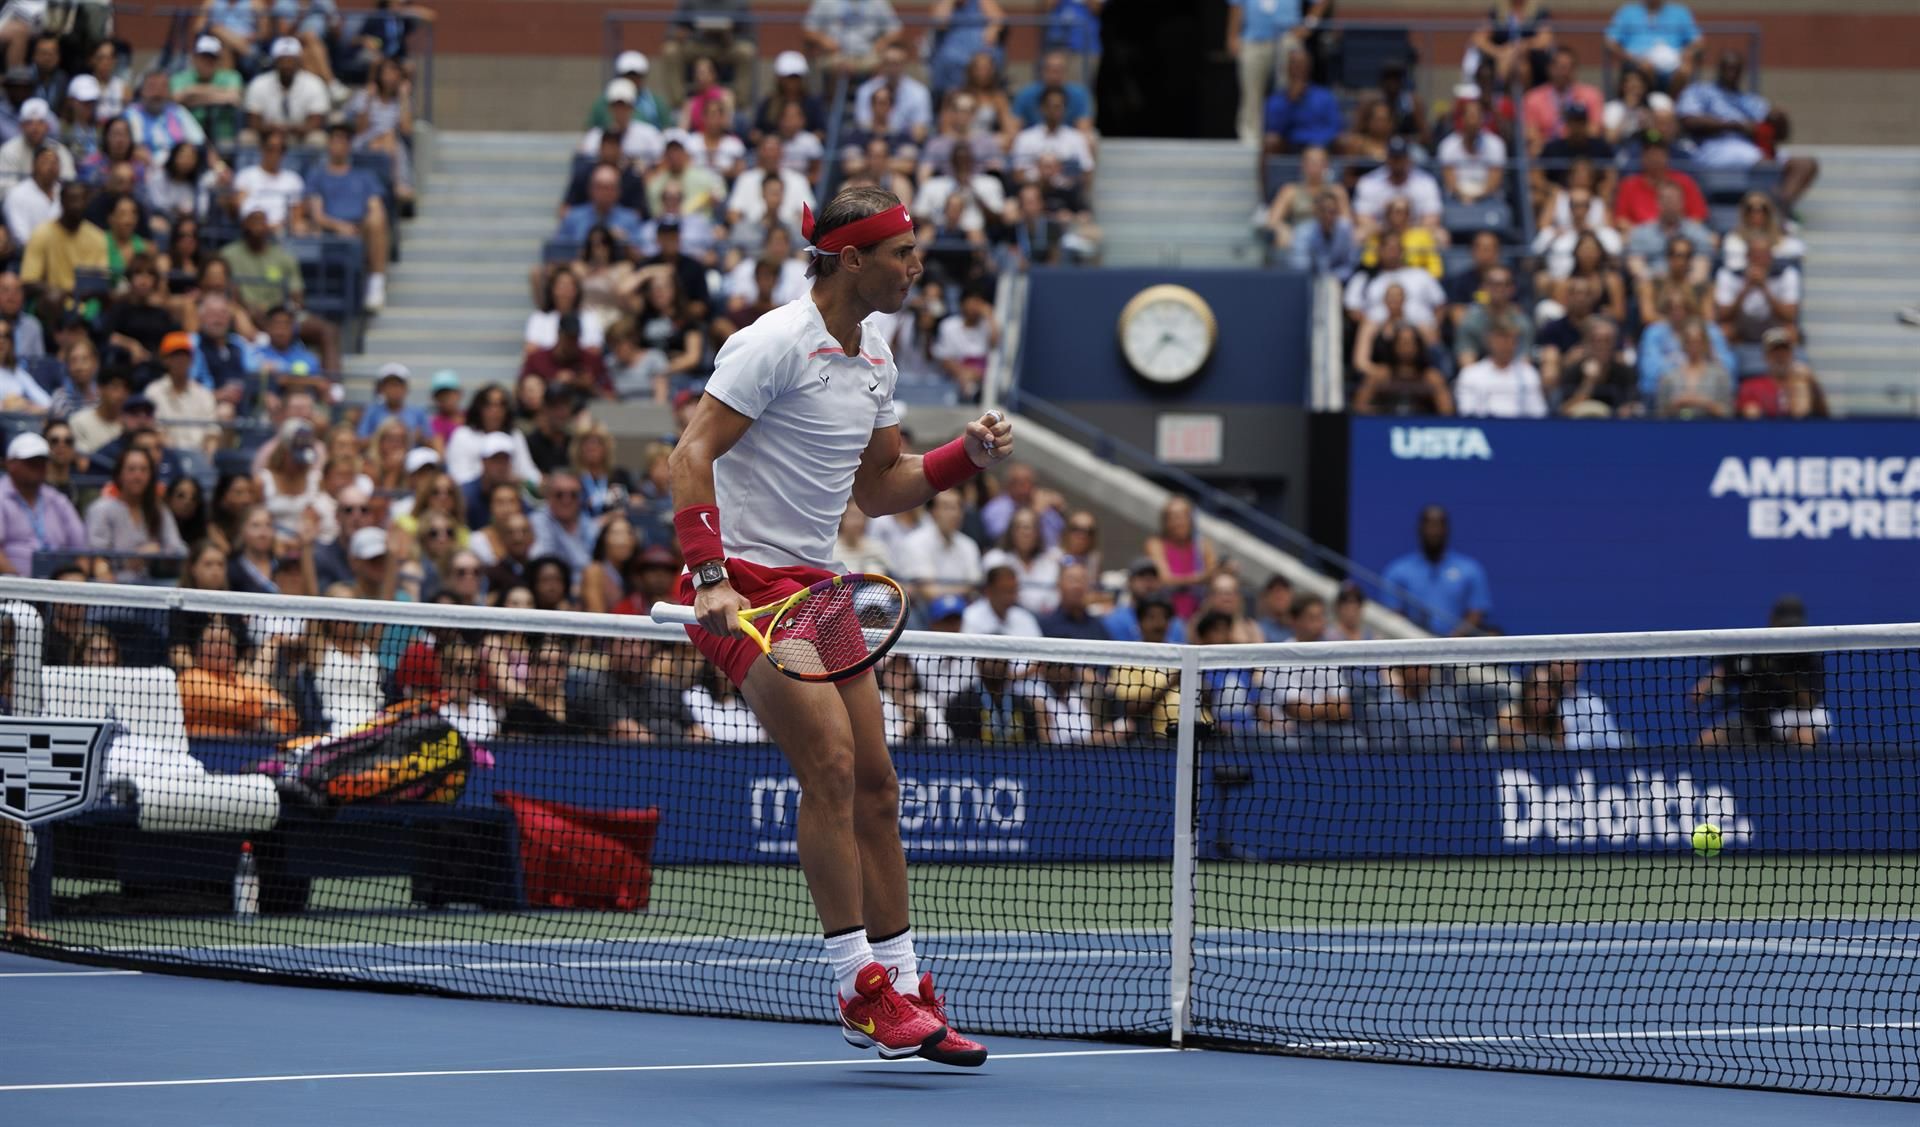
(1181, 919)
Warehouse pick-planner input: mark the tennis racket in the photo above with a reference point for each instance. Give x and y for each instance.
(832, 631)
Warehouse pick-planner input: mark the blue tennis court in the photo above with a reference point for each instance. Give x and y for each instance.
(89, 1046)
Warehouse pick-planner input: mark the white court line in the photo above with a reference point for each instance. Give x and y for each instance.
(435, 1073)
(1610, 1035)
(66, 973)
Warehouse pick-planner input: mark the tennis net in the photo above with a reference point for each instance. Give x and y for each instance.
(1675, 856)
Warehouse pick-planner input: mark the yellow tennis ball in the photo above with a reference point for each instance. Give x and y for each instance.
(1707, 840)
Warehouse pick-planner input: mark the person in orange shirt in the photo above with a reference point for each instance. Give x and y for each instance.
(221, 697)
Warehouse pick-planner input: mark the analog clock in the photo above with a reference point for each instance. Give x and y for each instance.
(1167, 333)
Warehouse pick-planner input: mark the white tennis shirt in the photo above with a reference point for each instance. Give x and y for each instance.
(783, 487)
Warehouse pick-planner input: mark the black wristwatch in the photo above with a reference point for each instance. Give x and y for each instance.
(709, 573)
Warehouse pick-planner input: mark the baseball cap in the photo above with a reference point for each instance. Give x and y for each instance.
(26, 446)
(253, 205)
(1467, 91)
(789, 64)
(83, 88)
(630, 62)
(622, 90)
(136, 402)
(36, 109)
(1659, 103)
(1397, 146)
(176, 342)
(656, 555)
(368, 544)
(206, 45)
(666, 223)
(420, 457)
(495, 444)
(1577, 112)
(946, 606)
(286, 47)
(393, 372)
(1142, 565)
(1777, 336)
(446, 379)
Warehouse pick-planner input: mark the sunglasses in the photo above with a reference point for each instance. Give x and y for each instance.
(355, 509)
(439, 533)
(566, 494)
(59, 440)
(465, 572)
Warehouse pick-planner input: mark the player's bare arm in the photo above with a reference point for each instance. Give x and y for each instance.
(712, 431)
(891, 481)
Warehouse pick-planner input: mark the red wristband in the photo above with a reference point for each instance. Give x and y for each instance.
(698, 527)
(947, 466)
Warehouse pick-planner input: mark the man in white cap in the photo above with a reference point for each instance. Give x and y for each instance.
(638, 140)
(289, 95)
(373, 572)
(720, 30)
(390, 402)
(271, 186)
(632, 66)
(790, 85)
(36, 128)
(212, 93)
(352, 514)
(499, 457)
(422, 462)
(33, 518)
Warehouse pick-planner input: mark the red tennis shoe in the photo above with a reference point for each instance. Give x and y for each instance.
(877, 1017)
(952, 1049)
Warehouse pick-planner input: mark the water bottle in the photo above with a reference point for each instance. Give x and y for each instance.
(246, 887)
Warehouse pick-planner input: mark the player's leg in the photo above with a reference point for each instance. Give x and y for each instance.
(811, 726)
(16, 880)
(883, 866)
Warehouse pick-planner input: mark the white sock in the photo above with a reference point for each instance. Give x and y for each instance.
(849, 954)
(898, 954)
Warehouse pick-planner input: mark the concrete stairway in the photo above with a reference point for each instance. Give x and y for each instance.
(458, 298)
(1177, 203)
(1862, 230)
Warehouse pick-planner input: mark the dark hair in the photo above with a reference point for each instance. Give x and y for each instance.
(480, 397)
(1211, 620)
(1307, 602)
(1154, 602)
(146, 504)
(850, 206)
(194, 527)
(535, 569)
(277, 311)
(553, 276)
(998, 570)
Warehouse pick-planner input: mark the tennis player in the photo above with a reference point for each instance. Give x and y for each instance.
(798, 415)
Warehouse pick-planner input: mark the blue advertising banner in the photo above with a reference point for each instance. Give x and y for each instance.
(1648, 525)
(738, 804)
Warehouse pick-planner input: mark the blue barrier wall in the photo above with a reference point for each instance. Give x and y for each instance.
(1648, 525)
(1071, 351)
(726, 804)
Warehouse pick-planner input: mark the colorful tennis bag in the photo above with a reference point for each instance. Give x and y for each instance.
(409, 753)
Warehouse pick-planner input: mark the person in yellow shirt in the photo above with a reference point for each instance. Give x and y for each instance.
(1419, 245)
(221, 698)
(61, 246)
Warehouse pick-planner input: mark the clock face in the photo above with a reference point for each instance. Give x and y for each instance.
(1167, 340)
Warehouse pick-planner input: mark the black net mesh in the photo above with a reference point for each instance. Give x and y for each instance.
(1498, 864)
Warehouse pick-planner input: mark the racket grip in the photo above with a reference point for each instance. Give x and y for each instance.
(672, 612)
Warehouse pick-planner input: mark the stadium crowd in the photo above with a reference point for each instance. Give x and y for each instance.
(1640, 293)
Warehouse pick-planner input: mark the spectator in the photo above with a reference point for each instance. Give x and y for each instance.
(179, 187)
(1071, 616)
(1502, 385)
(1637, 199)
(160, 123)
(1786, 388)
(1184, 558)
(1648, 242)
(350, 678)
(1373, 345)
(1759, 223)
(61, 246)
(272, 187)
(1462, 288)
(980, 189)
(1276, 609)
(225, 693)
(1585, 721)
(1592, 379)
(1259, 35)
(800, 148)
(1397, 179)
(935, 558)
(1412, 713)
(288, 96)
(487, 413)
(1036, 565)
(633, 184)
(288, 365)
(1314, 700)
(17, 154)
(700, 188)
(855, 549)
(1658, 35)
(1366, 291)
(670, 332)
(712, 145)
(223, 360)
(993, 710)
(1419, 246)
(33, 518)
(1408, 384)
(1436, 587)
(1748, 302)
(966, 340)
(1499, 309)
(29, 342)
(1735, 129)
(1029, 105)
(1054, 138)
(1591, 258)
(998, 610)
(390, 402)
(211, 92)
(1228, 602)
(34, 200)
(567, 370)
(1375, 127)
(912, 108)
(1697, 385)
(1127, 621)
(1517, 40)
(348, 202)
(128, 517)
(1293, 206)
(602, 209)
(1325, 244)
(562, 297)
(961, 30)
(192, 414)
(561, 528)
(1473, 159)
(640, 140)
(1349, 616)
(1020, 490)
(1301, 115)
(382, 120)
(746, 202)
(632, 66)
(957, 131)
(1546, 107)
(19, 391)
(1532, 721)
(97, 425)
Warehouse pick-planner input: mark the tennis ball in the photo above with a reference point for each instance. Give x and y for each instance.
(1707, 840)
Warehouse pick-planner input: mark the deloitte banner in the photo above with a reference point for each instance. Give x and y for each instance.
(724, 804)
(1646, 525)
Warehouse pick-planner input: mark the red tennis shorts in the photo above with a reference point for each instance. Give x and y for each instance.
(758, 585)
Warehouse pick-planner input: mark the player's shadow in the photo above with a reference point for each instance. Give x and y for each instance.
(904, 1078)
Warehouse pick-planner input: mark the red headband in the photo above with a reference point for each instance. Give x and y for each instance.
(864, 232)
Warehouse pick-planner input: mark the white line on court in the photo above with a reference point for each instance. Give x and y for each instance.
(1608, 1035)
(66, 973)
(435, 1073)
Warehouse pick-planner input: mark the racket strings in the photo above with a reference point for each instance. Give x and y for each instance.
(836, 628)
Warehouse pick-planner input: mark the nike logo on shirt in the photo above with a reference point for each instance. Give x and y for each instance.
(872, 386)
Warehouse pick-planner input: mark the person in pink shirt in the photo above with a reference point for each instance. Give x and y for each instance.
(1545, 106)
(447, 412)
